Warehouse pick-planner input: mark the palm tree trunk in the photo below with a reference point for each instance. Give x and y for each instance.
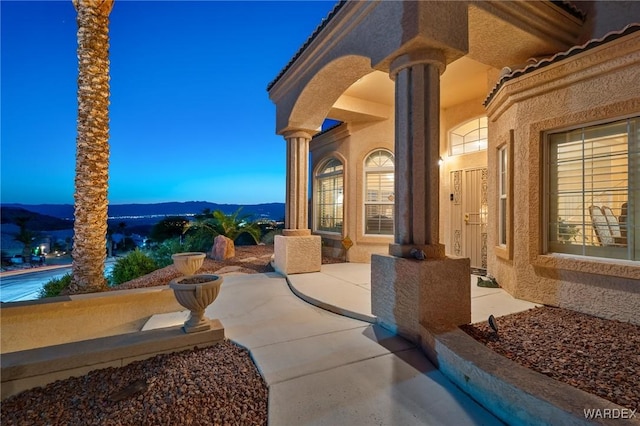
(92, 146)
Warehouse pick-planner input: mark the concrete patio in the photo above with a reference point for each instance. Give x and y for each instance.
(326, 369)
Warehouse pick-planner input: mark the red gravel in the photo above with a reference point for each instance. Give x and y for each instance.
(599, 356)
(219, 385)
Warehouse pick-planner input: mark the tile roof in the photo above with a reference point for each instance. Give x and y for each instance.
(313, 35)
(508, 74)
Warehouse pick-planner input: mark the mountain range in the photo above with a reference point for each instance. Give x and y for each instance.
(125, 212)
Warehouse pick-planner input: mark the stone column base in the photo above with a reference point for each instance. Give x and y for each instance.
(408, 293)
(297, 254)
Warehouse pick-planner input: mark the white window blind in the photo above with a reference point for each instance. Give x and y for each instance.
(379, 193)
(593, 184)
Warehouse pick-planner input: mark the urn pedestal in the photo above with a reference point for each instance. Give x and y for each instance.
(195, 293)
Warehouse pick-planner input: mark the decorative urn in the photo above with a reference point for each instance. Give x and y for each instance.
(194, 291)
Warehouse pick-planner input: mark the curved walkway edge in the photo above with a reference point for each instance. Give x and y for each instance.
(511, 392)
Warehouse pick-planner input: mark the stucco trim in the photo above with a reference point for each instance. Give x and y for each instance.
(589, 265)
(623, 37)
(591, 64)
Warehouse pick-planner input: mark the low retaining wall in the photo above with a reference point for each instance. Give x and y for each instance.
(27, 369)
(58, 320)
(515, 394)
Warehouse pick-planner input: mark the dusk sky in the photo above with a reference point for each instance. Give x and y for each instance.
(190, 117)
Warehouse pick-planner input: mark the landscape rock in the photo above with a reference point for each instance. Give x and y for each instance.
(223, 248)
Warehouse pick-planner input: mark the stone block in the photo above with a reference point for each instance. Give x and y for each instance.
(297, 254)
(408, 293)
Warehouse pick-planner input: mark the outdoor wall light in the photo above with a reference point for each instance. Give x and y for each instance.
(440, 161)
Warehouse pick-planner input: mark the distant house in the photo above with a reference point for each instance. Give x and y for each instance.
(503, 132)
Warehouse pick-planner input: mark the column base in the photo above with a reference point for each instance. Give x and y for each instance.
(407, 294)
(435, 251)
(297, 254)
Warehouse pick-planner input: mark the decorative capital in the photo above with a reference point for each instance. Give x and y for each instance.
(416, 57)
(297, 134)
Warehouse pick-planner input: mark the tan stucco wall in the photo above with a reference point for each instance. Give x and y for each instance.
(58, 320)
(352, 143)
(594, 86)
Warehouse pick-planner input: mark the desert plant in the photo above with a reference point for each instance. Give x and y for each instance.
(55, 286)
(231, 226)
(133, 265)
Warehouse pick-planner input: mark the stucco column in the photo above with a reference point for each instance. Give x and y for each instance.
(296, 251)
(297, 197)
(417, 145)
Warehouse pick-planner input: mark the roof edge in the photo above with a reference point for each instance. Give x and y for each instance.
(507, 74)
(306, 44)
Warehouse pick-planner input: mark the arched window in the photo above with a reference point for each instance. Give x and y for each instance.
(330, 196)
(469, 137)
(379, 193)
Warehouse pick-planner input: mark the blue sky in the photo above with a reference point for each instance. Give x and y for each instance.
(190, 116)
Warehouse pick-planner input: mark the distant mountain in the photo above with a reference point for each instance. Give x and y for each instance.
(273, 211)
(34, 221)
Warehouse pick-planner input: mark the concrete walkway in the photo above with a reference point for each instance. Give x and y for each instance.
(345, 288)
(328, 369)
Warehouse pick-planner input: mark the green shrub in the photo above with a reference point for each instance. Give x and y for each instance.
(54, 286)
(133, 265)
(161, 254)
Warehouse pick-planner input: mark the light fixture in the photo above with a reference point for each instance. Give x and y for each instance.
(440, 161)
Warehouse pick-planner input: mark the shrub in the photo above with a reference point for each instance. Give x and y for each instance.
(133, 265)
(55, 286)
(161, 254)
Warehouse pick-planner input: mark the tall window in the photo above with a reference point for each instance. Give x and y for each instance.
(379, 193)
(469, 137)
(594, 190)
(502, 195)
(329, 196)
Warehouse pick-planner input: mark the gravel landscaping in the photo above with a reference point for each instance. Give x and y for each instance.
(599, 356)
(218, 385)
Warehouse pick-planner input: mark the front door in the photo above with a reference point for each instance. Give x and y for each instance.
(469, 215)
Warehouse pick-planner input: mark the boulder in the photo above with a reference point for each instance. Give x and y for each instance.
(223, 248)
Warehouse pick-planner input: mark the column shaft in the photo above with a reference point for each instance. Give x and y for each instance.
(417, 147)
(297, 199)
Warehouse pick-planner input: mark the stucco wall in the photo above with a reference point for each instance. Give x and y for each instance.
(352, 143)
(594, 86)
(58, 320)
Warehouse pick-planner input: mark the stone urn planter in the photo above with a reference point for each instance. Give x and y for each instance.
(188, 263)
(194, 291)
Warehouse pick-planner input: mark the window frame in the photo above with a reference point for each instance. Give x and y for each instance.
(318, 177)
(505, 251)
(588, 252)
(366, 171)
(479, 129)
